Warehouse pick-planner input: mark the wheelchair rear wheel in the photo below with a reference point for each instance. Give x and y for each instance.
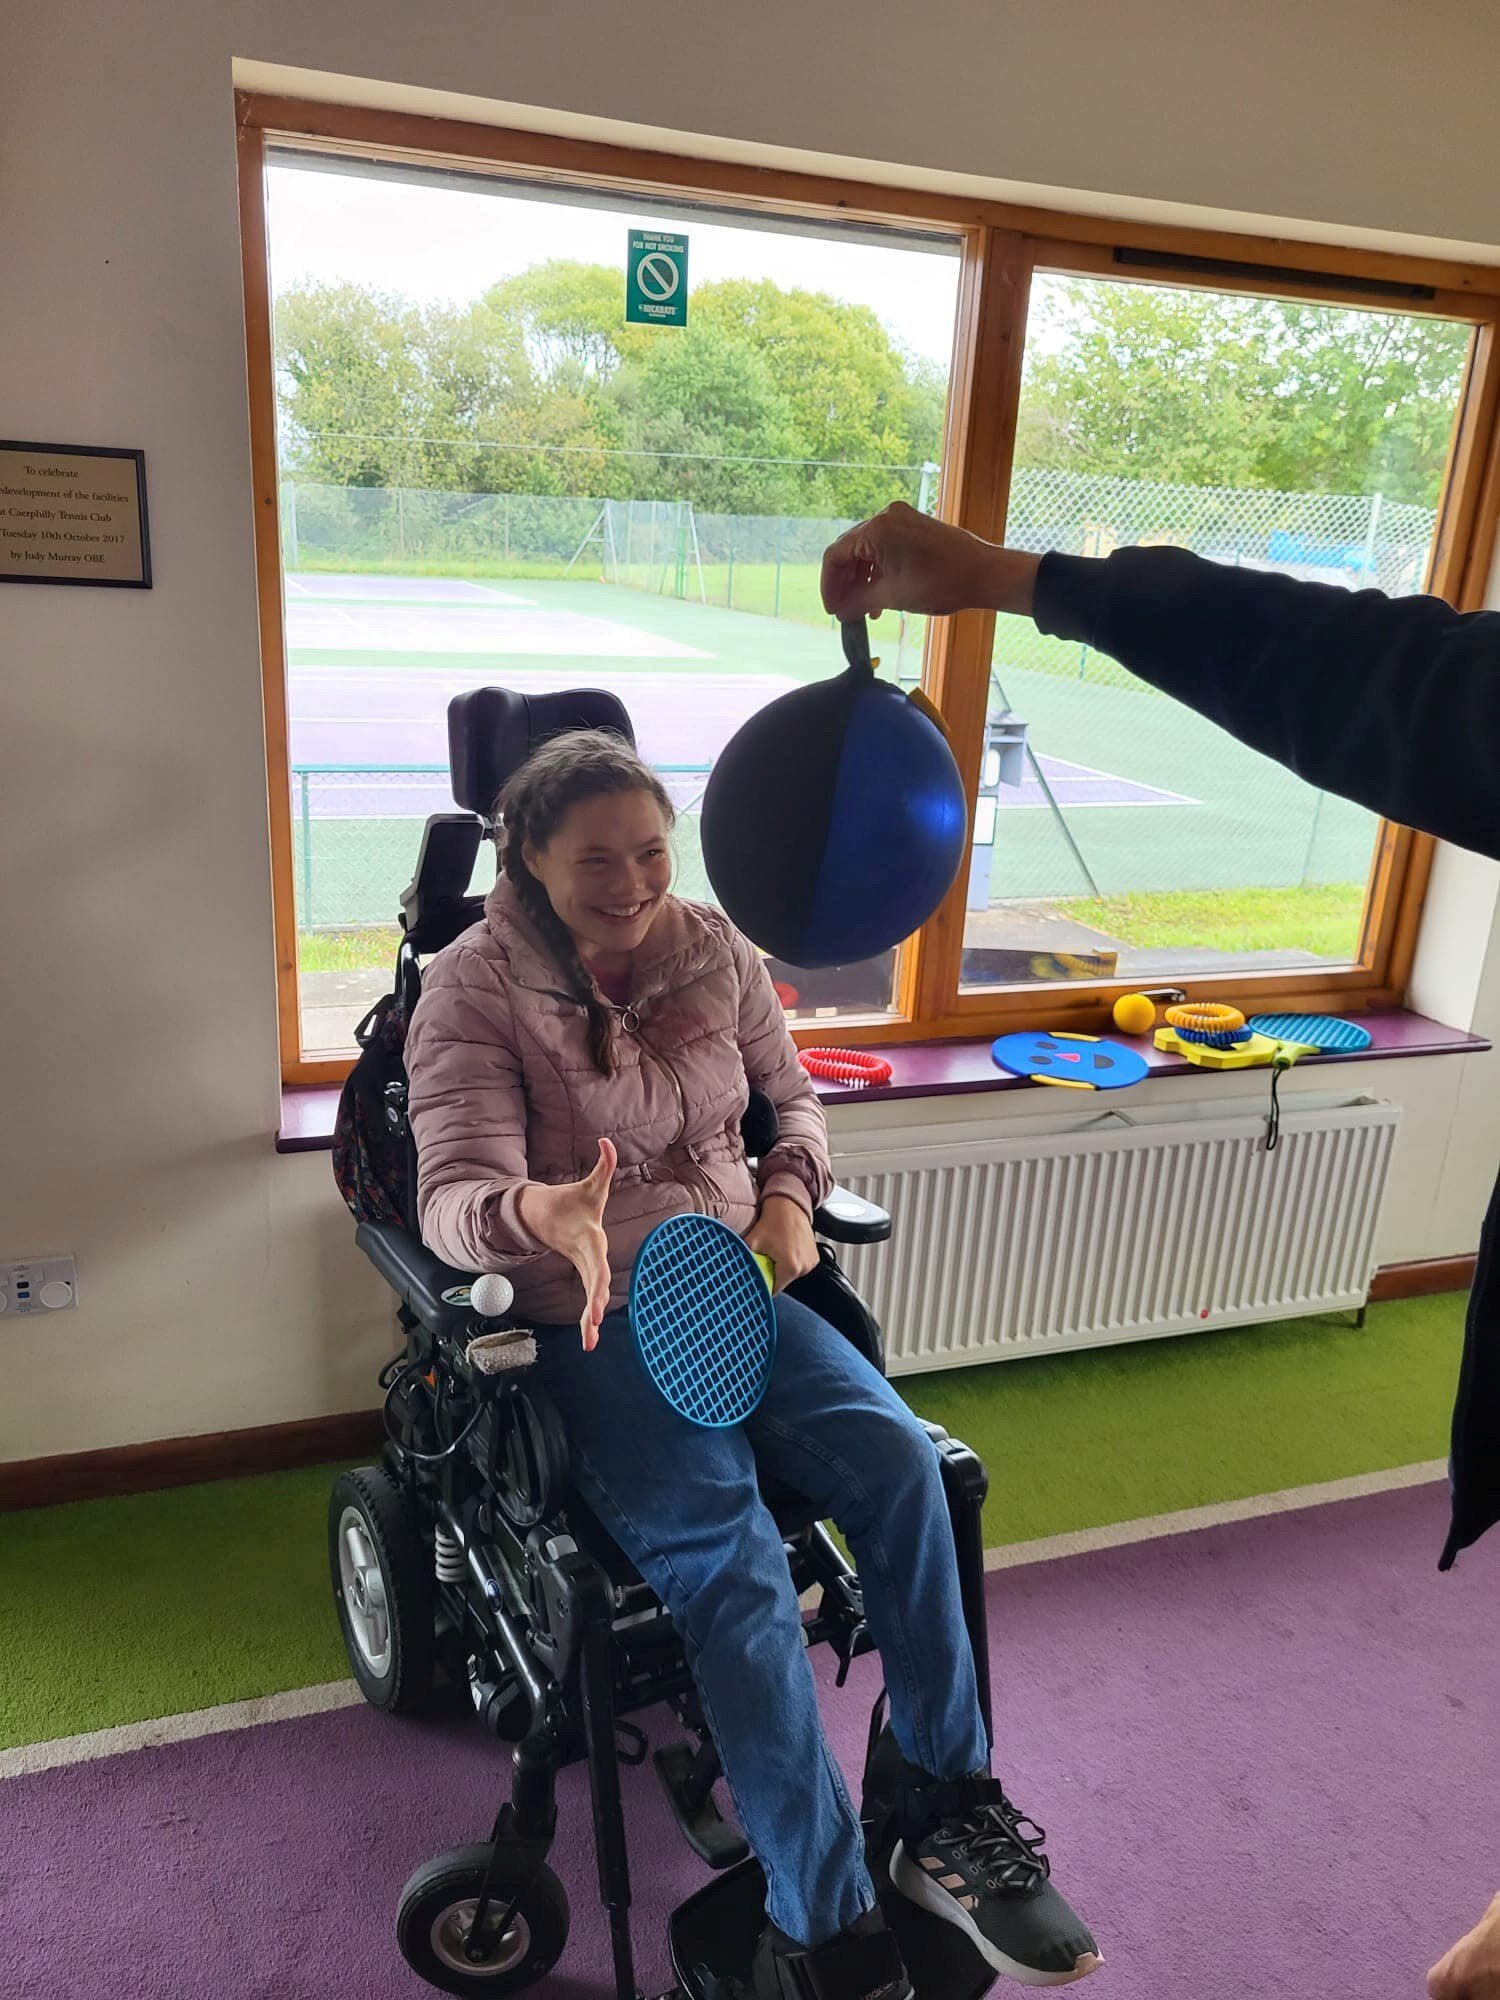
(381, 1571)
(437, 1913)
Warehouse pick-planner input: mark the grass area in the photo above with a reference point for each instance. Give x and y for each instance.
(347, 951)
(1318, 917)
(116, 1610)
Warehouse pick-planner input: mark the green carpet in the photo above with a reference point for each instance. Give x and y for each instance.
(1080, 1440)
(115, 1611)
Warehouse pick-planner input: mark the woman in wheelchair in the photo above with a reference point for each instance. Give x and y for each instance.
(579, 1062)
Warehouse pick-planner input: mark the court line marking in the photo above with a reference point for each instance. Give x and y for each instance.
(29, 1758)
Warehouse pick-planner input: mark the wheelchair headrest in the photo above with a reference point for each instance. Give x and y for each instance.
(492, 731)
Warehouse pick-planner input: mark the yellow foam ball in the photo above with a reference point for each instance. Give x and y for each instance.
(1135, 1014)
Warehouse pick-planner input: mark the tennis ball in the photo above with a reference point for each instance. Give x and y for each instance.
(1135, 1014)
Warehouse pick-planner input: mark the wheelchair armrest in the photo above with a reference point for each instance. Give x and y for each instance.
(849, 1218)
(418, 1278)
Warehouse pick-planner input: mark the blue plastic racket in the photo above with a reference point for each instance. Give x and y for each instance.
(1325, 1032)
(703, 1320)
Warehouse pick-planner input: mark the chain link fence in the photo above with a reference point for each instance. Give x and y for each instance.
(1086, 716)
(396, 528)
(354, 839)
(1359, 540)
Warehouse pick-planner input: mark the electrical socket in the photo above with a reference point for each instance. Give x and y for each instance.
(38, 1284)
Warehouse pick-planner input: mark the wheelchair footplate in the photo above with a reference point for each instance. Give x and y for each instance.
(714, 1933)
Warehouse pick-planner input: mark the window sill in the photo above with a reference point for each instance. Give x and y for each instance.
(951, 1069)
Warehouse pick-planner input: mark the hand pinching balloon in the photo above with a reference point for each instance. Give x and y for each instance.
(835, 822)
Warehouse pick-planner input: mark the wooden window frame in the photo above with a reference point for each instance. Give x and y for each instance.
(1001, 245)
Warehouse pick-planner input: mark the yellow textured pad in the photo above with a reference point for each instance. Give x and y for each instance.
(1257, 1053)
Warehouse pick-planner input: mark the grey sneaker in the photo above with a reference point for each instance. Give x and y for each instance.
(980, 1866)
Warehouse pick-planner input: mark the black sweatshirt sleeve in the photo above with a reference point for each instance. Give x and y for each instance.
(1393, 702)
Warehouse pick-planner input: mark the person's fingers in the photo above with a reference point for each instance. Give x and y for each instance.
(853, 572)
(591, 1260)
(595, 1185)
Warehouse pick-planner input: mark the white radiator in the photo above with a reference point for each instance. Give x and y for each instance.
(1124, 1226)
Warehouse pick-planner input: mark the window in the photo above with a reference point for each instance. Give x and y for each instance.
(1133, 840)
(472, 468)
(487, 476)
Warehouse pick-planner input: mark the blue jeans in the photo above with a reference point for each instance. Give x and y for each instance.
(684, 1505)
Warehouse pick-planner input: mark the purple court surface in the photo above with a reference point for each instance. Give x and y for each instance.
(1263, 1752)
(359, 737)
(363, 733)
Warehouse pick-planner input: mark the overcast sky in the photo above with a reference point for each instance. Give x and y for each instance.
(448, 244)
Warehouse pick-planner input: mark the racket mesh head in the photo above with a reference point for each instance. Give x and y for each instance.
(1313, 1031)
(703, 1320)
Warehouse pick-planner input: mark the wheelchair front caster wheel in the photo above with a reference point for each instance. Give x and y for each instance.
(436, 1917)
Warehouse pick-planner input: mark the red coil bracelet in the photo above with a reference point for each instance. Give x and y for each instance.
(851, 1066)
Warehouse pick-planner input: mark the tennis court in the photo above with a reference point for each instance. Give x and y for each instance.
(1124, 791)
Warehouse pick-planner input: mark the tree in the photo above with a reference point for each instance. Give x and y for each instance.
(571, 317)
(713, 423)
(766, 402)
(846, 384)
(350, 365)
(1208, 389)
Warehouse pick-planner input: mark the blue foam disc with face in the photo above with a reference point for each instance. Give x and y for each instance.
(1103, 1064)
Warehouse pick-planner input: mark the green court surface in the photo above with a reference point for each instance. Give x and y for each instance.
(114, 1611)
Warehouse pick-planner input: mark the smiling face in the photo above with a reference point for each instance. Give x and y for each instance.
(606, 869)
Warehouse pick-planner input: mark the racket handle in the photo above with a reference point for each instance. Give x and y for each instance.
(492, 1295)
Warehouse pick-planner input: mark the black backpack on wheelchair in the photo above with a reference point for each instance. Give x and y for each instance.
(467, 1558)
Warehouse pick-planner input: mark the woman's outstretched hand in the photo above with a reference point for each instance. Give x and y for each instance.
(570, 1220)
(905, 561)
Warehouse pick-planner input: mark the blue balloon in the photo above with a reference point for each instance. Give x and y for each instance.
(835, 822)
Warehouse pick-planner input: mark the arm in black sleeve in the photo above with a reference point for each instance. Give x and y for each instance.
(1393, 702)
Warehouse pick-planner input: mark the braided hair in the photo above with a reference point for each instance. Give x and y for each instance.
(563, 772)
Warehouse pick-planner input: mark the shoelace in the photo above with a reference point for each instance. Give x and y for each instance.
(1006, 1844)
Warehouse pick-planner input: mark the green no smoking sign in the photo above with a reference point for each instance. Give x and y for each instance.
(656, 279)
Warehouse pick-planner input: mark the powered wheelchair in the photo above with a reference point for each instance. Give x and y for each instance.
(467, 1557)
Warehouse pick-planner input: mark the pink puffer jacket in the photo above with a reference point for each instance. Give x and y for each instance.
(503, 1090)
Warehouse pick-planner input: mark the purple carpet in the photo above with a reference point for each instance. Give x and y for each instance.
(1265, 1755)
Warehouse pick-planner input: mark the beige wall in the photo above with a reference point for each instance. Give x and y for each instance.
(219, 1284)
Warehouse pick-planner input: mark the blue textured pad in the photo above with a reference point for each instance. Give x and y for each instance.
(1313, 1031)
(703, 1320)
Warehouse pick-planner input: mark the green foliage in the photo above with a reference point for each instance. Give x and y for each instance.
(1205, 389)
(538, 386)
(794, 402)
